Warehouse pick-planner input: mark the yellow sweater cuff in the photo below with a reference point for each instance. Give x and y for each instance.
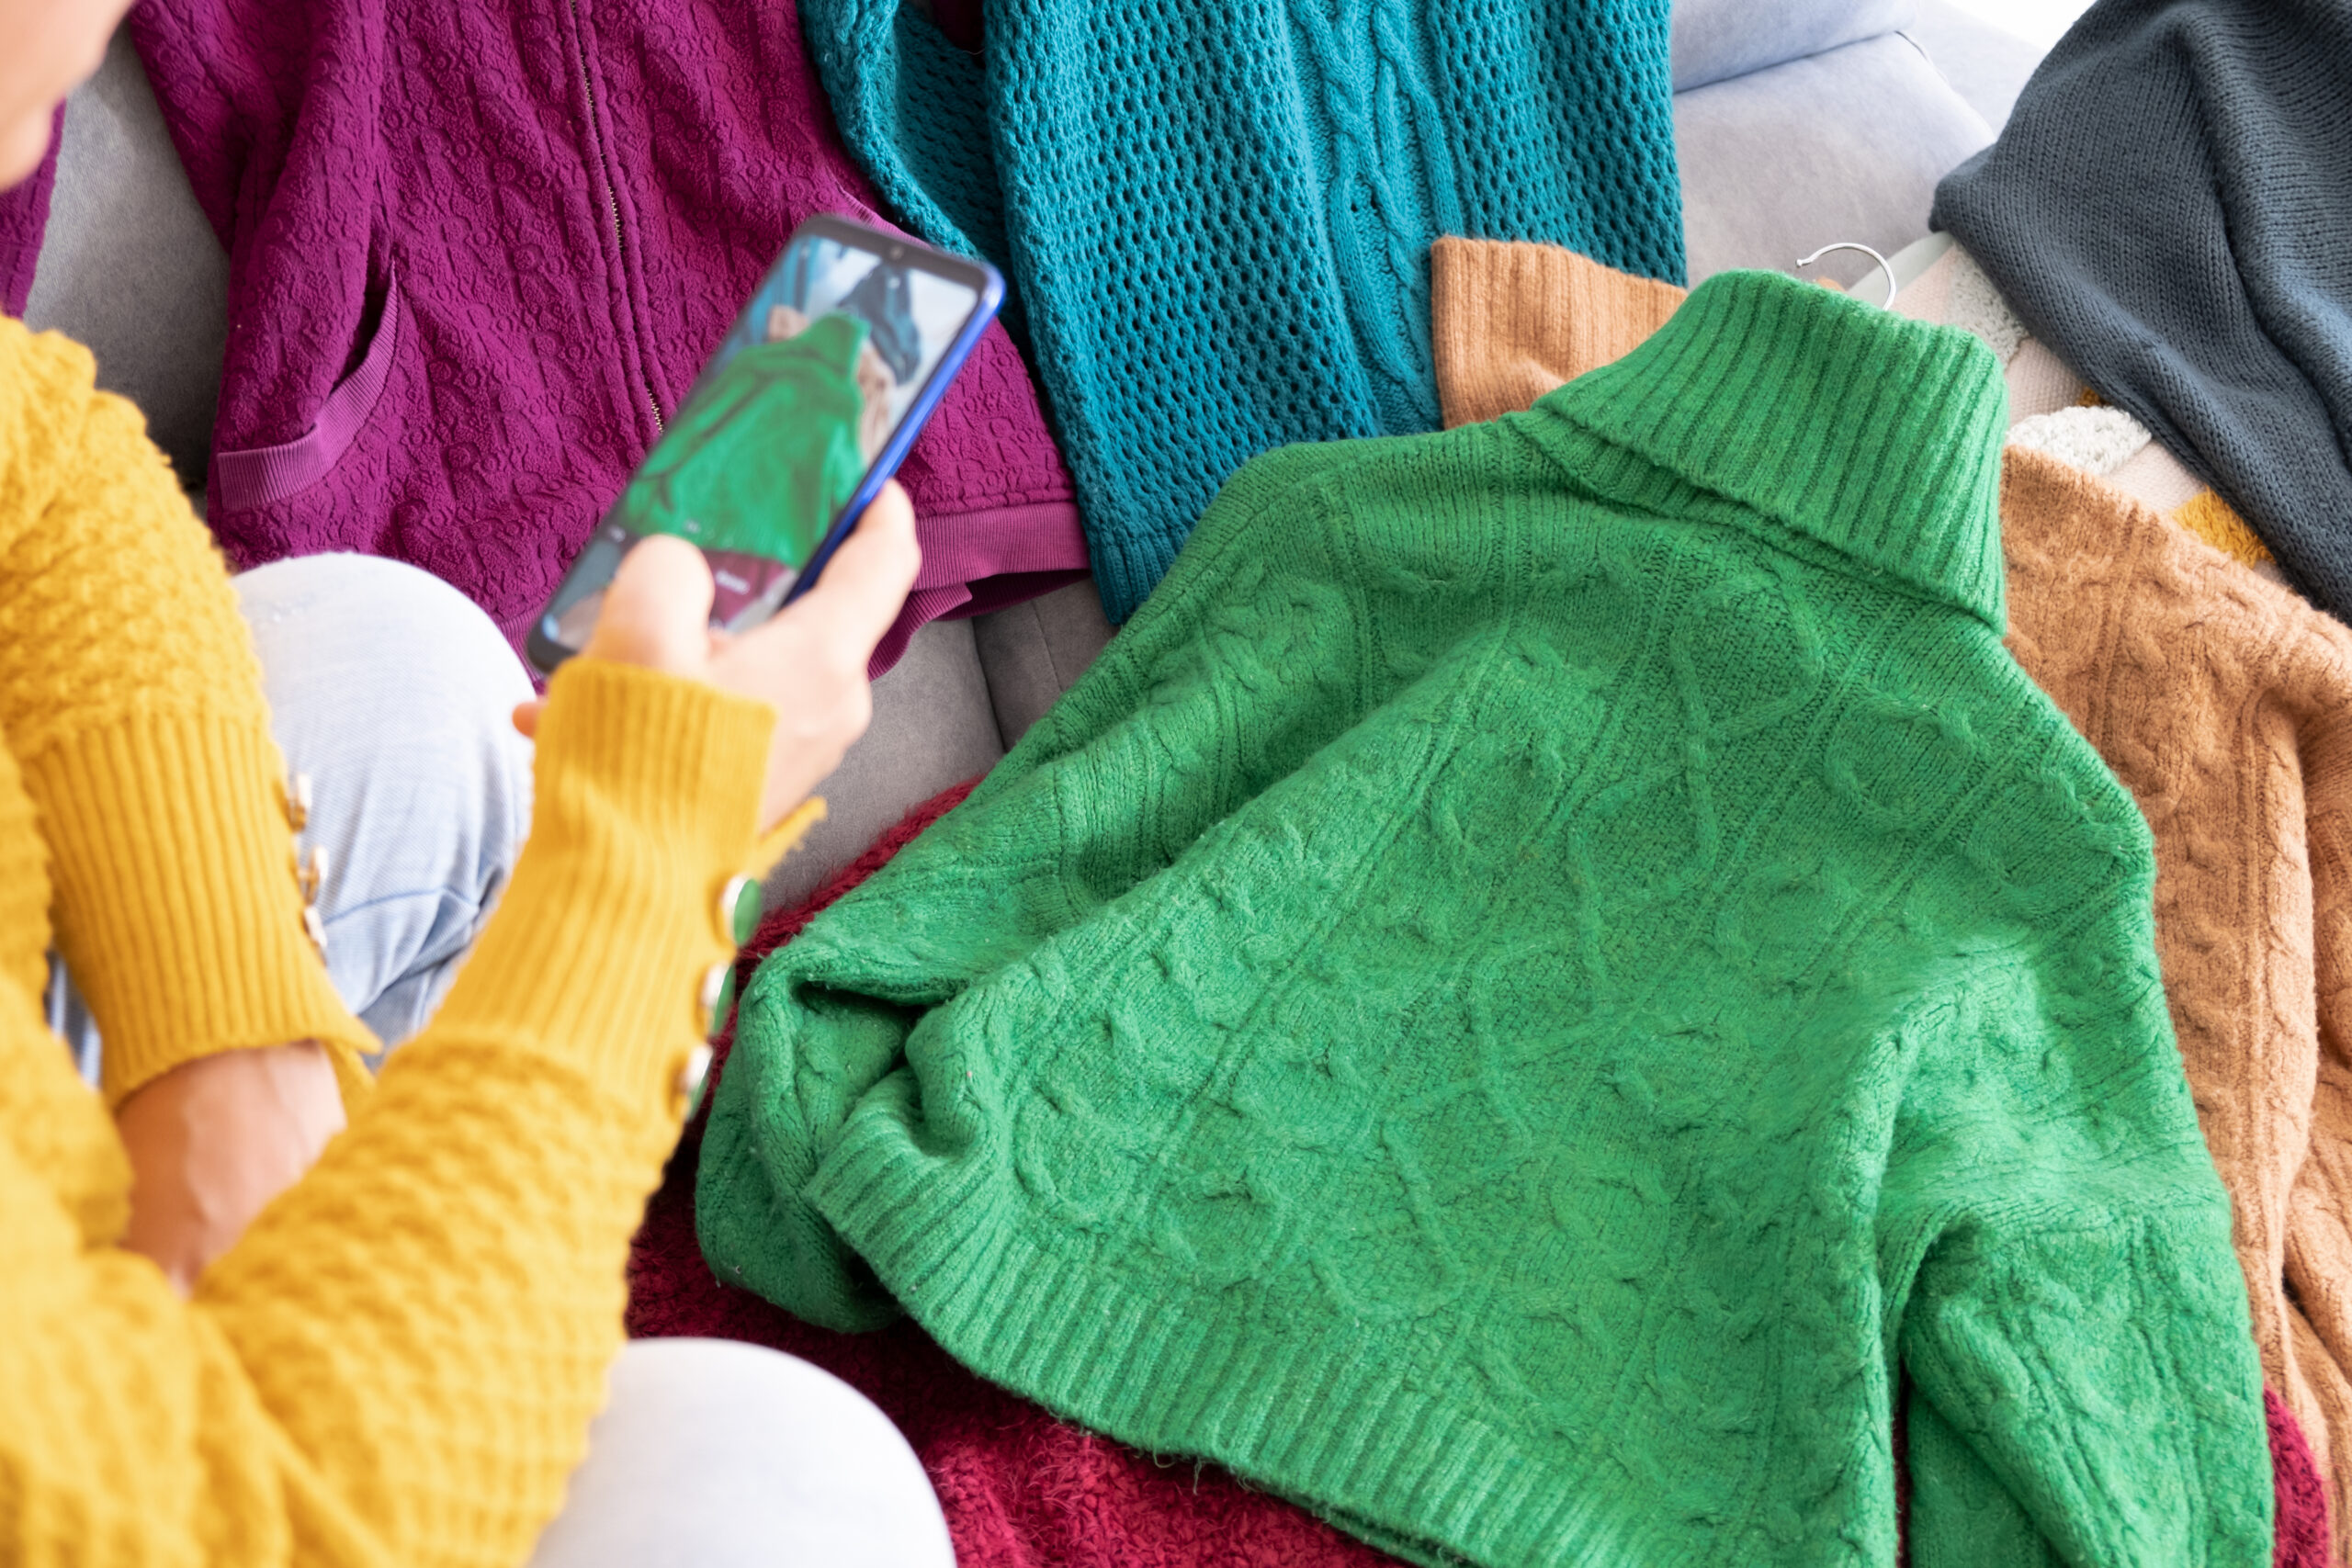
(179, 917)
(647, 801)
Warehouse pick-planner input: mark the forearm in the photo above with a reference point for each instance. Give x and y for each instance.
(212, 1141)
(131, 699)
(428, 1313)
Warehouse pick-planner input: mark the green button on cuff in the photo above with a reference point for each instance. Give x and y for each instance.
(740, 907)
(718, 991)
(693, 1075)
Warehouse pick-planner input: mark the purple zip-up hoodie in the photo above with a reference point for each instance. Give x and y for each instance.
(477, 254)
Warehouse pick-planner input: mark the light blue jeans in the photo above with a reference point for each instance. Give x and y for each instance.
(394, 693)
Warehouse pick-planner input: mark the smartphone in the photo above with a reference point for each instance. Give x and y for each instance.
(789, 431)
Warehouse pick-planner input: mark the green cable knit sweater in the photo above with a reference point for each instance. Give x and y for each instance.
(1546, 964)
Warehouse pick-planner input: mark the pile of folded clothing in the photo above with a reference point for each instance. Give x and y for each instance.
(1708, 927)
(1554, 973)
(1732, 960)
(1567, 984)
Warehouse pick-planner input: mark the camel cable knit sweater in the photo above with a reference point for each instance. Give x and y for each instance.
(2221, 700)
(1545, 961)
(397, 1362)
(2224, 703)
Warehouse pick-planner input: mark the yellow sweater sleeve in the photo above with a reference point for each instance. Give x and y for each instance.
(397, 1362)
(131, 696)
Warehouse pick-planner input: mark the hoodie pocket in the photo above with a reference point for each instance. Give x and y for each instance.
(254, 477)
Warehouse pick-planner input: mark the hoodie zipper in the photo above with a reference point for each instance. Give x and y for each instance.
(612, 212)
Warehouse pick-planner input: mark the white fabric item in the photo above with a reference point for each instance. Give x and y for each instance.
(2096, 440)
(715, 1454)
(2039, 382)
(1974, 304)
(2157, 478)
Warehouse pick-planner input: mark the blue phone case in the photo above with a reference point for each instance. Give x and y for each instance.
(990, 299)
(547, 646)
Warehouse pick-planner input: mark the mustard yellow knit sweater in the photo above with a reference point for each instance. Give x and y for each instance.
(397, 1363)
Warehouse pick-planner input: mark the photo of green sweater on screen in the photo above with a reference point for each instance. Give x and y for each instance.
(765, 457)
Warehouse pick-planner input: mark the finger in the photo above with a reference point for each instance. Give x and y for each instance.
(526, 717)
(863, 585)
(870, 575)
(657, 612)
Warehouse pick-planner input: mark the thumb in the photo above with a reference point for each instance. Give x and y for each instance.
(657, 612)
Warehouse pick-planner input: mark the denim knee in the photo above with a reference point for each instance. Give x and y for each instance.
(394, 692)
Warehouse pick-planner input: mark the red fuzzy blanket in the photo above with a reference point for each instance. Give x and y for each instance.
(1023, 1490)
(1020, 1489)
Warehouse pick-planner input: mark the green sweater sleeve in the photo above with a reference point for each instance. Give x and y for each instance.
(989, 884)
(2054, 1246)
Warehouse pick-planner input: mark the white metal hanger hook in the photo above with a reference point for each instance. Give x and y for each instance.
(1850, 246)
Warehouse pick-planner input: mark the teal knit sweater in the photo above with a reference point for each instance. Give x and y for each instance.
(1216, 214)
(1548, 965)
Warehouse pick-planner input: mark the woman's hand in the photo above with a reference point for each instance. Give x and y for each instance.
(214, 1140)
(809, 663)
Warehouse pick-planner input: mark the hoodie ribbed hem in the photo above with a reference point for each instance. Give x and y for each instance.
(1872, 434)
(1128, 567)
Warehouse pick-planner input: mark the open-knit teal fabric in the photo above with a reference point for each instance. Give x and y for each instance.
(1544, 967)
(1217, 216)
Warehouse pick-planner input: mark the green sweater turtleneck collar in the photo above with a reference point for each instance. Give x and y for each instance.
(1861, 430)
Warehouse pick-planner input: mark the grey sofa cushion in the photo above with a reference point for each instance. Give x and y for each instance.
(1032, 653)
(1850, 143)
(1715, 39)
(1984, 64)
(933, 727)
(964, 694)
(130, 267)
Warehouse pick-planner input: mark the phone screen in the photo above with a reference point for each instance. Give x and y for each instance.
(803, 411)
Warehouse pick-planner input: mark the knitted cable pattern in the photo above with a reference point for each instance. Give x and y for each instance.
(1020, 1487)
(1217, 216)
(1545, 962)
(2220, 700)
